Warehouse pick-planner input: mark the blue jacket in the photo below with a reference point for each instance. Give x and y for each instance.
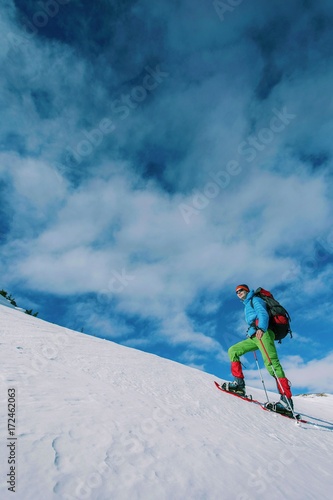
(258, 311)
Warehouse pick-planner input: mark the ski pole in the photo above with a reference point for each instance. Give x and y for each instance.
(262, 379)
(276, 377)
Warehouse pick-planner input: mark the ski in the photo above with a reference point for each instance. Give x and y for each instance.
(249, 398)
(301, 420)
(245, 398)
(295, 416)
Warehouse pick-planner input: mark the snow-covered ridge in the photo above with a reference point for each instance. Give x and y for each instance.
(6, 302)
(316, 395)
(96, 420)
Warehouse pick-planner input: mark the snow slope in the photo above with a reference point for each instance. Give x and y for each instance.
(96, 420)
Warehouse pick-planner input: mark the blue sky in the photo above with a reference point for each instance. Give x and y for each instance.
(156, 154)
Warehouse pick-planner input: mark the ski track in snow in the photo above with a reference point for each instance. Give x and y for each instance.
(96, 420)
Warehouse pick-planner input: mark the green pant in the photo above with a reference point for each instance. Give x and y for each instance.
(253, 344)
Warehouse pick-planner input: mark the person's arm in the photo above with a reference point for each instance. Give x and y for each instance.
(262, 315)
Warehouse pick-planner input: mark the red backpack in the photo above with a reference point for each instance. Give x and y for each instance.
(279, 318)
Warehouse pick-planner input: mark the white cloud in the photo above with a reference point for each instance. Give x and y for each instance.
(316, 375)
(132, 244)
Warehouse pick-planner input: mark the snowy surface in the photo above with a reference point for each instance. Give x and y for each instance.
(96, 420)
(5, 302)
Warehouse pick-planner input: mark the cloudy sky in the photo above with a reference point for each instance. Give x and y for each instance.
(156, 154)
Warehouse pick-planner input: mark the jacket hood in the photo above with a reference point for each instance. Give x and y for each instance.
(248, 297)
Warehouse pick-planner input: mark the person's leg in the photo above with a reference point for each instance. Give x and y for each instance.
(272, 361)
(267, 347)
(235, 352)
